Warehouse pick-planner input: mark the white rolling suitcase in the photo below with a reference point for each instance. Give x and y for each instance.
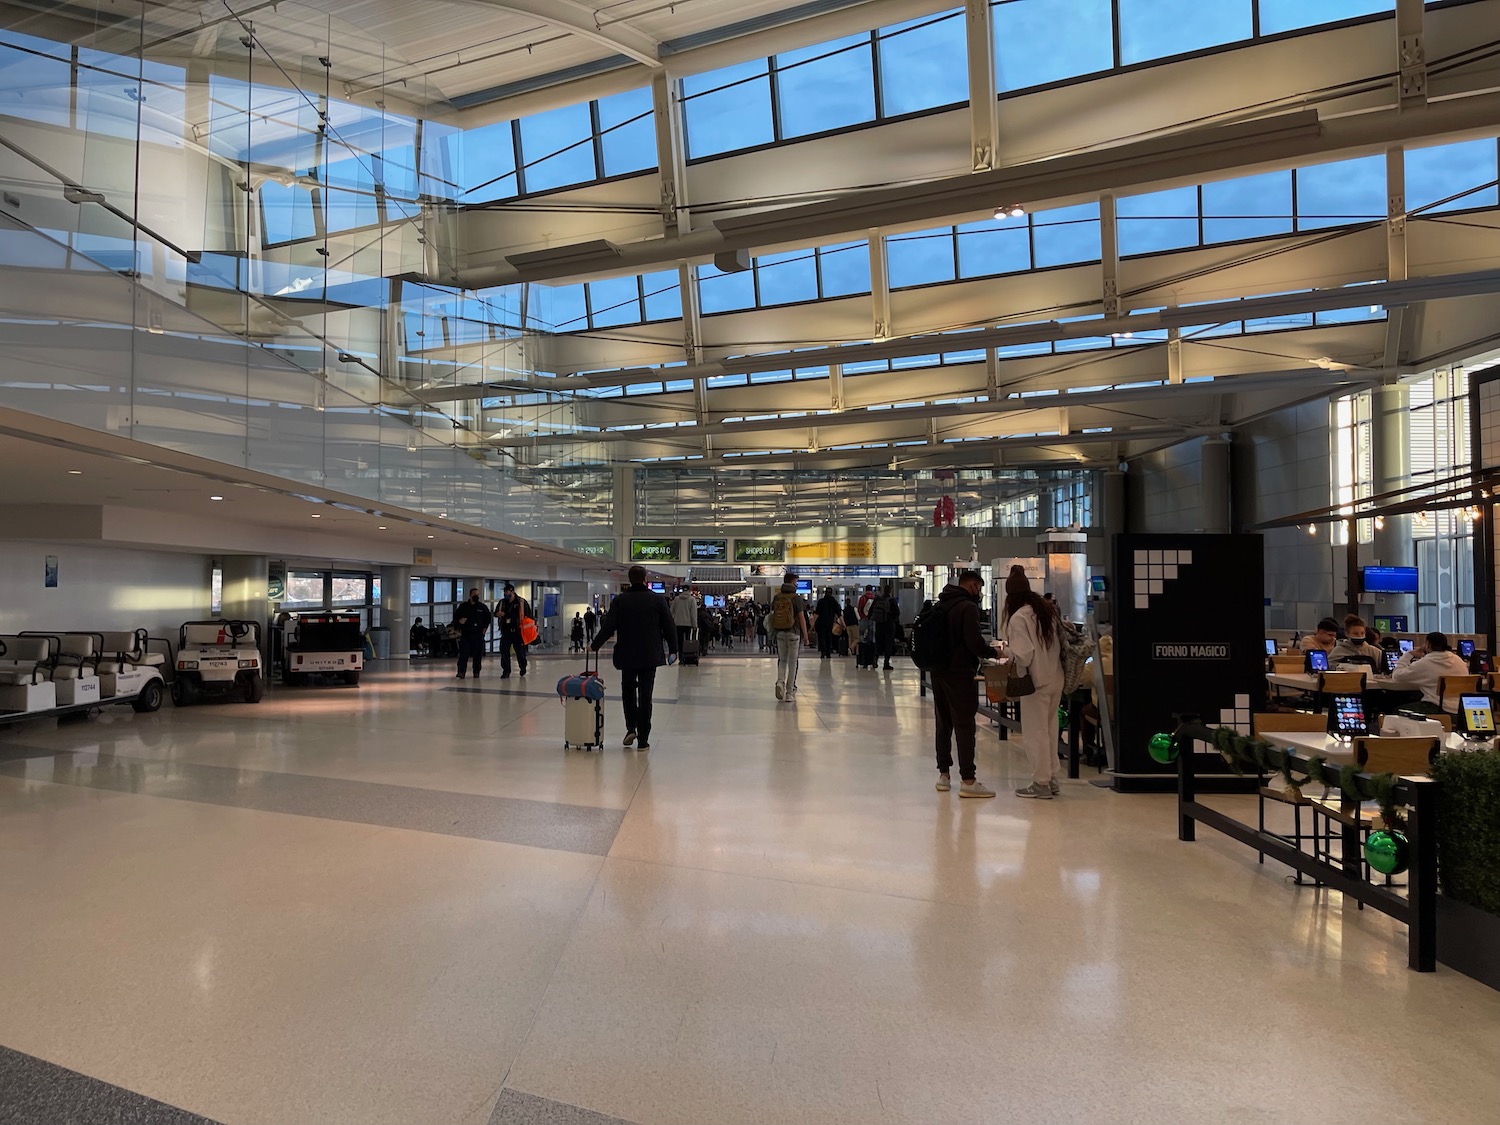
(583, 708)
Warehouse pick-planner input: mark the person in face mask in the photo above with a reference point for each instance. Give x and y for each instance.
(473, 619)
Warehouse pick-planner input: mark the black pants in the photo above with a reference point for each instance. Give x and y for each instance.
(510, 641)
(636, 685)
(825, 641)
(684, 634)
(470, 646)
(955, 701)
(885, 640)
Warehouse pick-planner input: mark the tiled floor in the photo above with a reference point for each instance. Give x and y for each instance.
(408, 904)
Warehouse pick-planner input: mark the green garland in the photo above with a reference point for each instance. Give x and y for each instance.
(1255, 755)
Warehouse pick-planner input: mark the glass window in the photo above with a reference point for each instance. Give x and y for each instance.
(844, 269)
(1031, 48)
(1346, 191)
(1154, 29)
(727, 109)
(287, 212)
(351, 589)
(108, 89)
(920, 258)
(1159, 220)
(627, 133)
(663, 295)
(419, 591)
(1248, 207)
(304, 588)
(442, 590)
(36, 77)
(919, 64)
(786, 278)
(826, 86)
(557, 148)
(557, 308)
(346, 210)
(1066, 235)
(1290, 15)
(725, 292)
(992, 247)
(615, 300)
(1437, 173)
(483, 162)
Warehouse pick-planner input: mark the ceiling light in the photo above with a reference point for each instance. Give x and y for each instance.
(216, 497)
(317, 515)
(75, 472)
(432, 537)
(1014, 211)
(380, 528)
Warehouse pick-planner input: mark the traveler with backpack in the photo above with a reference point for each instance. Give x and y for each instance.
(885, 614)
(787, 625)
(1033, 638)
(948, 644)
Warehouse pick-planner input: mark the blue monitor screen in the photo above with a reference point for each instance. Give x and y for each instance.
(1406, 646)
(1390, 579)
(1466, 649)
(1097, 585)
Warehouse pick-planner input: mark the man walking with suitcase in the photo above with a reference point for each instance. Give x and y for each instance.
(643, 622)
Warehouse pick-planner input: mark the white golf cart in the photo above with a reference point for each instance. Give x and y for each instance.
(45, 673)
(324, 644)
(218, 658)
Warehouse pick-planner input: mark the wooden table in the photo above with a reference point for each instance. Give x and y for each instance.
(1339, 752)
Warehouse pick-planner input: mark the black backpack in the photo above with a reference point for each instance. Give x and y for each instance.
(931, 646)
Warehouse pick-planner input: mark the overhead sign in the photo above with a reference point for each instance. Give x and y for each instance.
(708, 550)
(421, 556)
(595, 548)
(275, 582)
(849, 551)
(759, 550)
(656, 550)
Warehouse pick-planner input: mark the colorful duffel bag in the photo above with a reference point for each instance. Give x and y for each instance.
(583, 685)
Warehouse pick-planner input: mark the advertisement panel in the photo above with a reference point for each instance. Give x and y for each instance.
(656, 550)
(594, 548)
(849, 551)
(708, 550)
(759, 550)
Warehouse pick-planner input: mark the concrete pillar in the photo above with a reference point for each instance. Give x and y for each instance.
(1109, 510)
(246, 582)
(625, 514)
(1045, 508)
(1390, 460)
(1215, 484)
(395, 608)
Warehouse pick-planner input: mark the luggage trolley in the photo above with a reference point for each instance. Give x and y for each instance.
(582, 697)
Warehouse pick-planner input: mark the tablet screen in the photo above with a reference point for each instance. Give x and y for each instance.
(1406, 646)
(1317, 660)
(1347, 716)
(1466, 649)
(1391, 658)
(1270, 647)
(1476, 714)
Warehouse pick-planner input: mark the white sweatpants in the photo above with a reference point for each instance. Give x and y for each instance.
(1039, 731)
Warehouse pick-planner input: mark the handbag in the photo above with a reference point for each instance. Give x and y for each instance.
(528, 631)
(838, 627)
(1018, 686)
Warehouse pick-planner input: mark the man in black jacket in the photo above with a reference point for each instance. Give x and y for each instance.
(509, 611)
(643, 621)
(955, 695)
(473, 621)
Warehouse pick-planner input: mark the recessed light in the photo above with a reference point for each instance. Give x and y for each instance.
(75, 472)
(317, 515)
(216, 497)
(380, 528)
(432, 537)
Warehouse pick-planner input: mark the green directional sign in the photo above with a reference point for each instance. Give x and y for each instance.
(656, 550)
(759, 550)
(596, 548)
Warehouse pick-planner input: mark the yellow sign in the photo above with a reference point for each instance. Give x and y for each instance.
(852, 551)
(421, 556)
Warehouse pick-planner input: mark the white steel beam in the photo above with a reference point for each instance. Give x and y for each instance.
(583, 21)
(984, 130)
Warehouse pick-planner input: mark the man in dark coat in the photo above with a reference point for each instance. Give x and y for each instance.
(643, 622)
(509, 612)
(473, 621)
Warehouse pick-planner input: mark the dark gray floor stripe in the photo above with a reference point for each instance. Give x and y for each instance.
(507, 820)
(536, 694)
(36, 1092)
(516, 1108)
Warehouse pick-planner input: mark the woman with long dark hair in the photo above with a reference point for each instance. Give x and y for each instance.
(1032, 631)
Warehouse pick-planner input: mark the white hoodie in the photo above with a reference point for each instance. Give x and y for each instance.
(1031, 654)
(1423, 672)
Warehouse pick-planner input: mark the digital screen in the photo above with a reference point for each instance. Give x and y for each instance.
(1405, 646)
(1346, 716)
(1482, 664)
(804, 587)
(1476, 714)
(1317, 660)
(1270, 646)
(708, 550)
(1389, 579)
(1466, 649)
(1098, 585)
(656, 550)
(1391, 657)
(659, 587)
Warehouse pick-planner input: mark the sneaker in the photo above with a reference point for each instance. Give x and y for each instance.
(1054, 786)
(944, 783)
(630, 738)
(780, 691)
(1039, 792)
(974, 789)
(643, 746)
(459, 676)
(888, 668)
(505, 675)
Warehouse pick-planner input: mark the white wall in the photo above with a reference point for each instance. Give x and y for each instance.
(101, 588)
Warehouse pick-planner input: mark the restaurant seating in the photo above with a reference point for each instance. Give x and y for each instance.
(1288, 663)
(1262, 726)
(1399, 756)
(1450, 688)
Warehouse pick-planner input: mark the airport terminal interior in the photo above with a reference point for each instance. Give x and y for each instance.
(317, 316)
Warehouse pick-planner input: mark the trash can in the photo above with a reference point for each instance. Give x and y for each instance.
(380, 641)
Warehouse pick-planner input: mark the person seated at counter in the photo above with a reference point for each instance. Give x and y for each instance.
(1324, 638)
(1426, 664)
(1355, 645)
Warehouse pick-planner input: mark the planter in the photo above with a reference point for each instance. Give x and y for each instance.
(1468, 939)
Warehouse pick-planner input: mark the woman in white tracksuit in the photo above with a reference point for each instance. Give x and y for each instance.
(1032, 638)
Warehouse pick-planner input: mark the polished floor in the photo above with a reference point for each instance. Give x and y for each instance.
(405, 903)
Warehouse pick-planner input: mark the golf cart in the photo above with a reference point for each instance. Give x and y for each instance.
(324, 644)
(218, 658)
(44, 673)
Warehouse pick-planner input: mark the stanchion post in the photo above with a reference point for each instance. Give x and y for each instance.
(1187, 789)
(1421, 938)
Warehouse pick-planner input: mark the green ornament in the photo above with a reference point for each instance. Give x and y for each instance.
(1387, 851)
(1163, 749)
(1062, 716)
